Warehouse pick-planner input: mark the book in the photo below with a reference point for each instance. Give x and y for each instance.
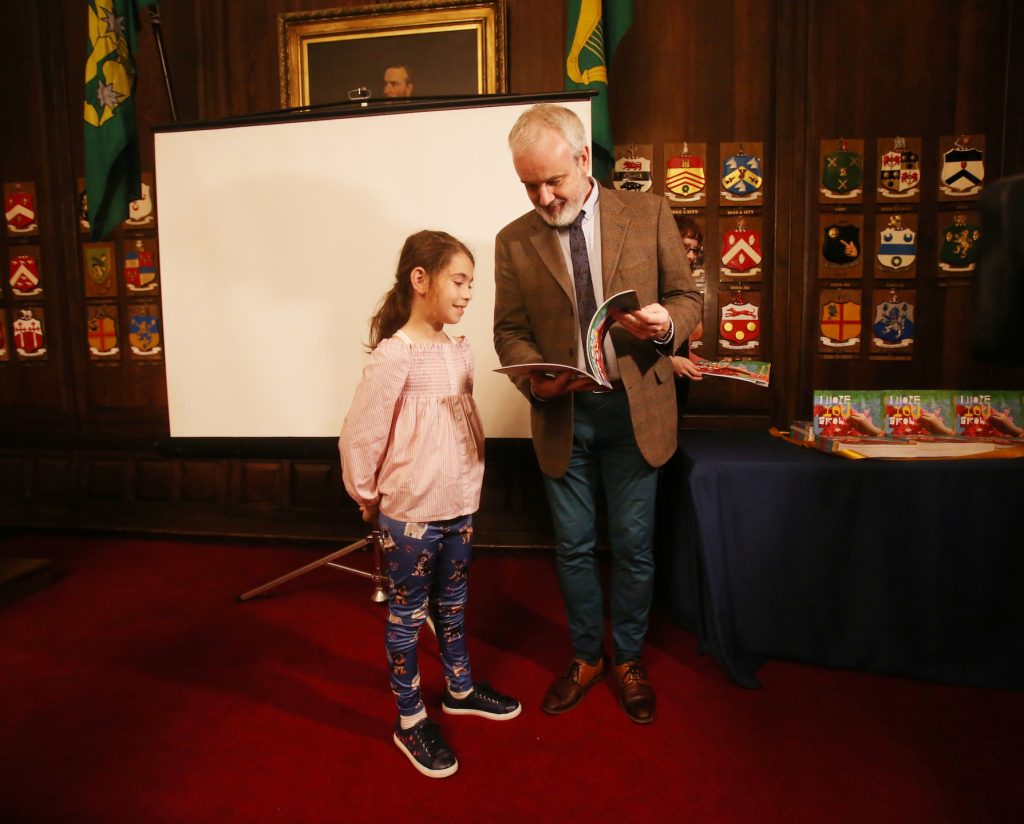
(847, 413)
(749, 371)
(597, 331)
(802, 431)
(989, 414)
(912, 412)
(923, 447)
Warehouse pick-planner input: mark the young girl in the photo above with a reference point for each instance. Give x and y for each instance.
(412, 458)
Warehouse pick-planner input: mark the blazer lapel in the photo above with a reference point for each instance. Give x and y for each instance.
(545, 241)
(614, 224)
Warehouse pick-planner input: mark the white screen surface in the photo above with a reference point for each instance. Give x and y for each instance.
(277, 240)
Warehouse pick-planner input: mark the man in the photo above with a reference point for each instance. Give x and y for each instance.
(398, 81)
(585, 440)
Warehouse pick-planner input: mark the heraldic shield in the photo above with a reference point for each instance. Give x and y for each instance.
(29, 336)
(897, 246)
(632, 174)
(20, 211)
(740, 326)
(963, 169)
(841, 246)
(899, 172)
(101, 331)
(741, 251)
(24, 276)
(684, 177)
(139, 269)
(140, 212)
(842, 174)
(893, 326)
(840, 323)
(741, 176)
(959, 249)
(144, 333)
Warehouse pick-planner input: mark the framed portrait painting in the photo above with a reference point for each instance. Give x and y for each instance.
(443, 48)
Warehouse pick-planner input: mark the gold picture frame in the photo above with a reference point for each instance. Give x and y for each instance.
(453, 48)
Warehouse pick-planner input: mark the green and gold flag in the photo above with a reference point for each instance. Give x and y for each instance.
(112, 175)
(595, 29)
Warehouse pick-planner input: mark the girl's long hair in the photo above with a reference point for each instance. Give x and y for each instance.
(432, 250)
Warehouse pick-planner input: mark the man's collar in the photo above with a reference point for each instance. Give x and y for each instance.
(590, 203)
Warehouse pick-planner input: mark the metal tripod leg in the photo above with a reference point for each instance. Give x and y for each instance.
(378, 578)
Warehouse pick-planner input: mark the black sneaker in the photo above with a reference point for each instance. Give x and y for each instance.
(426, 749)
(482, 701)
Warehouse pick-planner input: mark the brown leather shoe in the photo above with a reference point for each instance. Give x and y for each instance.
(566, 690)
(635, 692)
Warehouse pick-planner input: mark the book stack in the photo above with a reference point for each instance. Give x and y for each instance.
(802, 431)
(904, 423)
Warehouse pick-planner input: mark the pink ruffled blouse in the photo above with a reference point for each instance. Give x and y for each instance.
(413, 441)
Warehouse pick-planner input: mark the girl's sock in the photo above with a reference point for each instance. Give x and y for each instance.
(410, 721)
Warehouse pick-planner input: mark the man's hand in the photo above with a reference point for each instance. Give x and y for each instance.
(370, 513)
(651, 322)
(545, 386)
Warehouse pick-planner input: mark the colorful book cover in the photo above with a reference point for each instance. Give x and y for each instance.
(846, 413)
(600, 323)
(749, 371)
(990, 414)
(912, 412)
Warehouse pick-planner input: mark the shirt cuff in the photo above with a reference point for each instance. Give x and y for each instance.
(667, 339)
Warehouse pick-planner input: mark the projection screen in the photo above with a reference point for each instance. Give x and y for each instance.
(278, 239)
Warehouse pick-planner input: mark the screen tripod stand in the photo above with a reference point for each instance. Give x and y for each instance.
(374, 540)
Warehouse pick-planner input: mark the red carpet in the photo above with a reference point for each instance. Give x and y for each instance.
(135, 689)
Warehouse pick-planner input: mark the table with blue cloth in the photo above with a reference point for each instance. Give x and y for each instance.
(914, 568)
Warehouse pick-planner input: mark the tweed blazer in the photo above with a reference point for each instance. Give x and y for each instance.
(535, 316)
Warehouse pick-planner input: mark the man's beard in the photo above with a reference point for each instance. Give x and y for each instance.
(567, 213)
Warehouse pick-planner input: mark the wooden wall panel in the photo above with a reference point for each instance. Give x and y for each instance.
(36, 391)
(704, 72)
(106, 479)
(927, 72)
(203, 482)
(155, 480)
(315, 485)
(262, 483)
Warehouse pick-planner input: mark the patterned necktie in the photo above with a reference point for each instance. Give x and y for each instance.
(586, 306)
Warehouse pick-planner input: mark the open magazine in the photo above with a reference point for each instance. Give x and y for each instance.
(600, 323)
(750, 371)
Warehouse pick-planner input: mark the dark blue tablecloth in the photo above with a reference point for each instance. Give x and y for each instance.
(913, 568)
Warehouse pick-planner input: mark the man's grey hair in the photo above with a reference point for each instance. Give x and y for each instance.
(542, 117)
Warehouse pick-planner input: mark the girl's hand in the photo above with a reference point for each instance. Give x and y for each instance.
(686, 368)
